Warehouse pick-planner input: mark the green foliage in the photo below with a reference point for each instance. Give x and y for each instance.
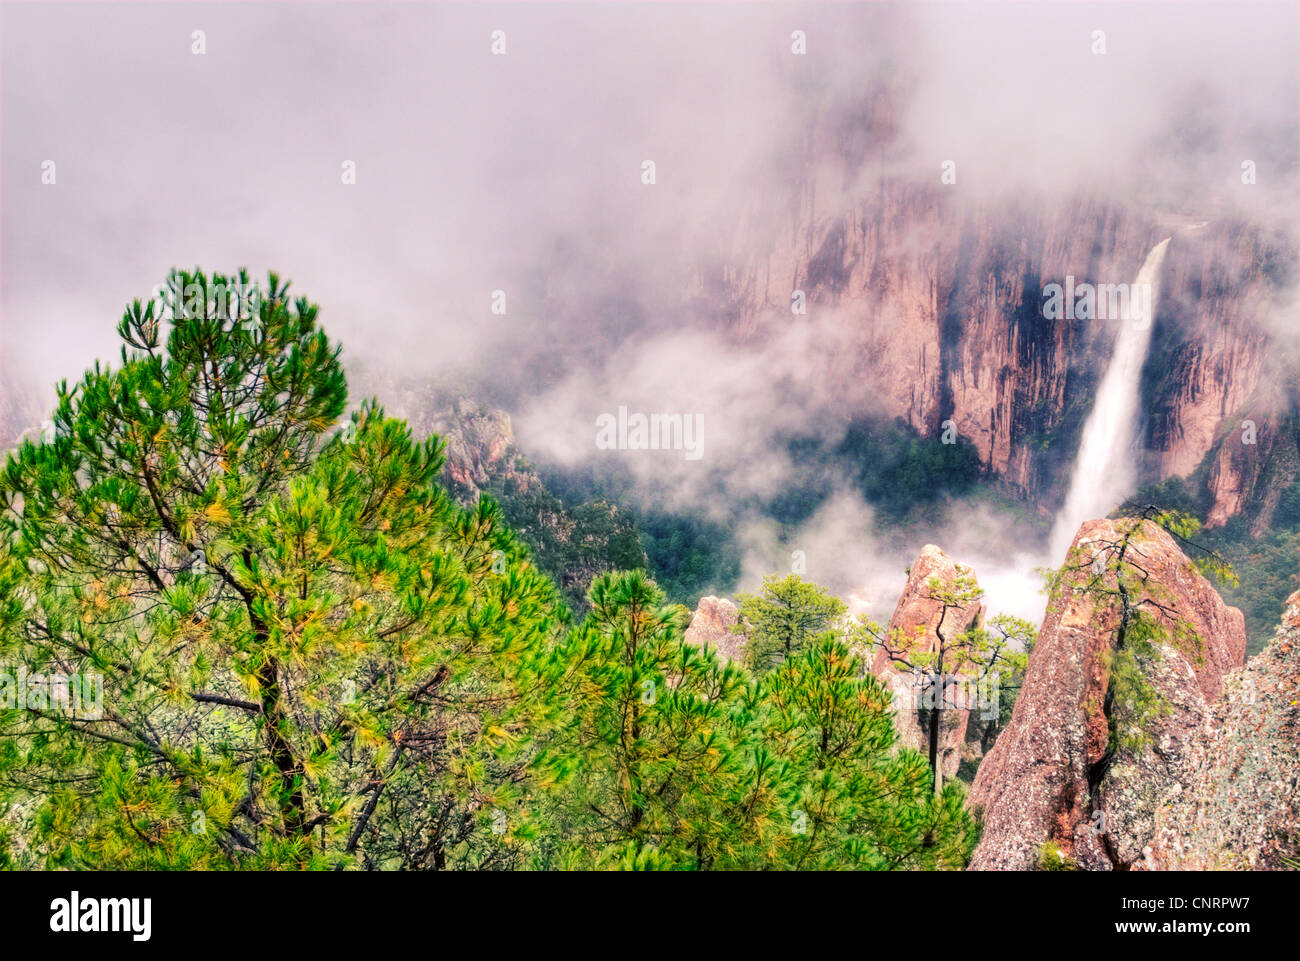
(1185, 527)
(1268, 576)
(898, 470)
(659, 755)
(857, 801)
(975, 652)
(572, 543)
(310, 657)
(689, 555)
(903, 475)
(346, 636)
(1141, 613)
(1287, 514)
(1003, 643)
(783, 617)
(1135, 703)
(1052, 858)
(1173, 494)
(681, 762)
(1264, 572)
(1011, 677)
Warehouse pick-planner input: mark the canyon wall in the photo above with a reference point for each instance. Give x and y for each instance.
(937, 298)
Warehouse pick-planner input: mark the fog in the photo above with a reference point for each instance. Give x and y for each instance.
(522, 173)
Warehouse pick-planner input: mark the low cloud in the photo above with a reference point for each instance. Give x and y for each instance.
(523, 174)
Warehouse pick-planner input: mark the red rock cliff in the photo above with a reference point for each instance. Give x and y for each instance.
(937, 299)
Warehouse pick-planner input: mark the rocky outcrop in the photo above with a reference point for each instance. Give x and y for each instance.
(481, 450)
(1240, 808)
(1071, 770)
(711, 628)
(918, 620)
(571, 541)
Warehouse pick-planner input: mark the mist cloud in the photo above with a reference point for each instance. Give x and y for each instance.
(521, 173)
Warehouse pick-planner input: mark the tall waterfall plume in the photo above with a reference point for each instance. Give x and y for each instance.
(1105, 470)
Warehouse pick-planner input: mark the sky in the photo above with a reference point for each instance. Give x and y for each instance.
(522, 172)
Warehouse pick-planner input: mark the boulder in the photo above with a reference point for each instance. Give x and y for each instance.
(711, 628)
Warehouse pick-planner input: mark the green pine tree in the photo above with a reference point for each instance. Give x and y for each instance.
(663, 769)
(783, 618)
(302, 653)
(859, 803)
(952, 656)
(677, 761)
(308, 656)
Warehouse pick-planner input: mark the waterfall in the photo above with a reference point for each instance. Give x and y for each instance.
(1105, 470)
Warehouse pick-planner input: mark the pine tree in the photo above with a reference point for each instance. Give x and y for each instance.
(952, 656)
(859, 803)
(677, 761)
(783, 617)
(302, 653)
(663, 771)
(1111, 570)
(308, 656)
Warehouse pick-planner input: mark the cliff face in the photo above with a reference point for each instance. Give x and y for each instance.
(943, 316)
(1207, 358)
(938, 300)
(1219, 387)
(481, 450)
(1057, 774)
(1240, 808)
(1252, 464)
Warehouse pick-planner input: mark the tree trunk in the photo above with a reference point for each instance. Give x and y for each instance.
(934, 744)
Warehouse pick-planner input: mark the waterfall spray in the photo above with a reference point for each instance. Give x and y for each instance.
(1105, 470)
